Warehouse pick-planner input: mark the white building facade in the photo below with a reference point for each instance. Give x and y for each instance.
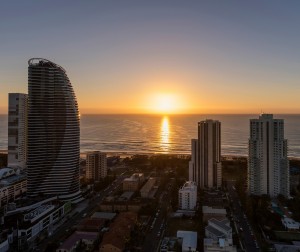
(188, 196)
(205, 166)
(189, 240)
(17, 130)
(96, 165)
(268, 165)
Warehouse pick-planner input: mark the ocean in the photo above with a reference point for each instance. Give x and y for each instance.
(165, 134)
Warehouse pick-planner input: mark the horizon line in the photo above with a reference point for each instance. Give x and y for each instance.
(174, 114)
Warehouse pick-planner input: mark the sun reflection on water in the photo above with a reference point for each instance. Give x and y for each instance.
(164, 134)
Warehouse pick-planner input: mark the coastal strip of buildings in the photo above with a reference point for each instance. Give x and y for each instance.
(268, 164)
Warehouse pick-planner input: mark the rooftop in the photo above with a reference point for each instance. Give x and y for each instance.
(150, 183)
(37, 212)
(120, 230)
(6, 172)
(10, 176)
(77, 236)
(126, 196)
(189, 238)
(286, 248)
(210, 210)
(91, 224)
(103, 215)
(43, 62)
(135, 177)
(224, 224)
(215, 231)
(12, 180)
(189, 185)
(169, 243)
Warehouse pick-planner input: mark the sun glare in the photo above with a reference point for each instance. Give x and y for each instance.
(164, 103)
(164, 134)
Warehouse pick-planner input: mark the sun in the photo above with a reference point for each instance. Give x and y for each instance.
(164, 103)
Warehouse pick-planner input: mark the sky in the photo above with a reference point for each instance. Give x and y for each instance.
(159, 56)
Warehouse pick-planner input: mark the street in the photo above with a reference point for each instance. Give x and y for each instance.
(240, 219)
(156, 232)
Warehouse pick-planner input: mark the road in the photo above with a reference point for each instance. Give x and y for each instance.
(157, 224)
(245, 231)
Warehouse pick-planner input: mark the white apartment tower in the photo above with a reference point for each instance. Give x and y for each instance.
(205, 166)
(17, 130)
(268, 165)
(96, 165)
(188, 196)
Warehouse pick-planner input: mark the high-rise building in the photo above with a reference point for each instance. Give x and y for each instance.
(17, 130)
(268, 165)
(193, 164)
(96, 165)
(187, 196)
(53, 132)
(205, 166)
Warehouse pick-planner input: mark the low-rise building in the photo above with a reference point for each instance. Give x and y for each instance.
(215, 199)
(103, 215)
(171, 244)
(119, 232)
(213, 213)
(147, 188)
(294, 247)
(188, 196)
(126, 196)
(210, 245)
(29, 222)
(74, 240)
(4, 243)
(121, 206)
(219, 230)
(12, 185)
(134, 182)
(91, 225)
(189, 240)
(290, 224)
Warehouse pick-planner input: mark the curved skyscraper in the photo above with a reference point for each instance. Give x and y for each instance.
(53, 131)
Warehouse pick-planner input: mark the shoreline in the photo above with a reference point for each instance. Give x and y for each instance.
(124, 154)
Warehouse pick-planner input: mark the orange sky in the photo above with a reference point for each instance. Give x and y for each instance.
(159, 56)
